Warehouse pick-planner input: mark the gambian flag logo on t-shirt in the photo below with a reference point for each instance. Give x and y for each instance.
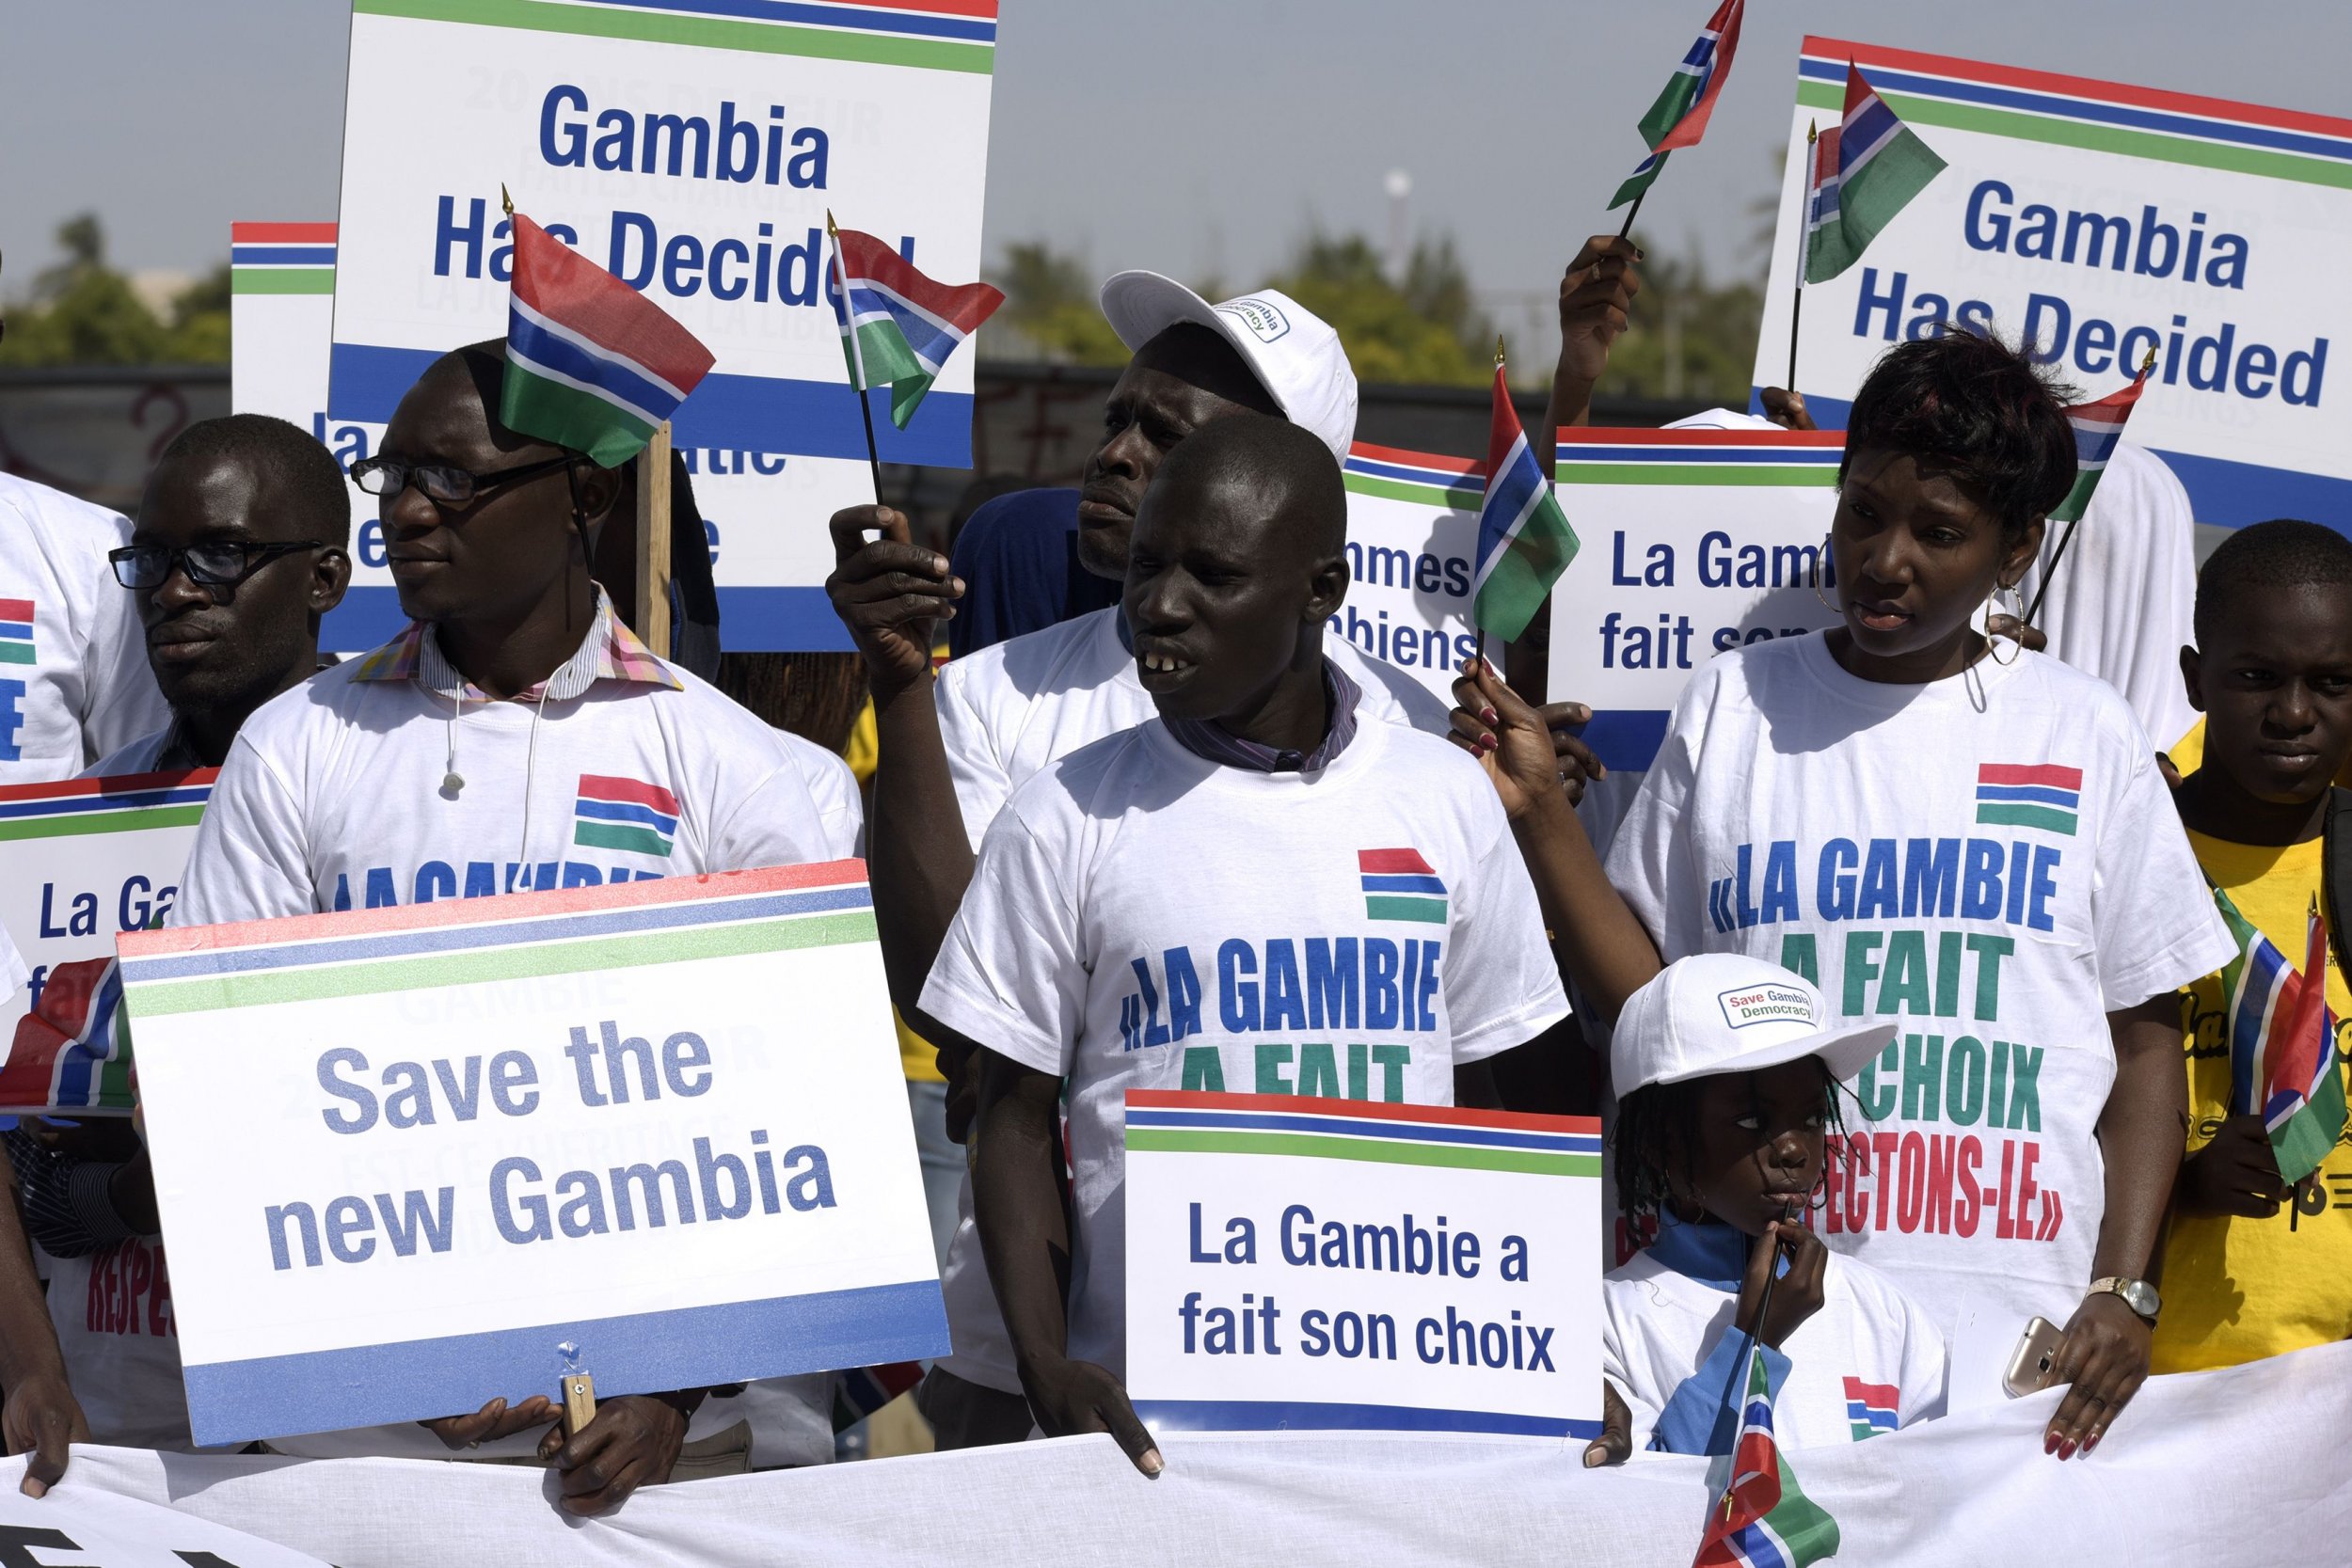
(16, 631)
(624, 814)
(1872, 1408)
(1400, 886)
(2018, 796)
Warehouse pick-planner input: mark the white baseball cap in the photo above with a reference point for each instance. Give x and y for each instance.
(1725, 1012)
(1294, 352)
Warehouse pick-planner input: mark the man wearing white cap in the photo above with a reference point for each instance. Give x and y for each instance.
(1727, 1068)
(954, 748)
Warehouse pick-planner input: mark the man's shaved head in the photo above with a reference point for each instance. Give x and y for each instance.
(1268, 475)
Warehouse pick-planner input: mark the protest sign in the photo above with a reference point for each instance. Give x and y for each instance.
(764, 513)
(412, 1159)
(1412, 543)
(1695, 542)
(689, 147)
(1301, 1264)
(2102, 221)
(82, 861)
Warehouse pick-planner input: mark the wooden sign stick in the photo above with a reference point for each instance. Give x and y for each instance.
(580, 1403)
(653, 544)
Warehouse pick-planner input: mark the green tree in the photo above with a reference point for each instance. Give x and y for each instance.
(1050, 303)
(1424, 331)
(82, 312)
(1689, 337)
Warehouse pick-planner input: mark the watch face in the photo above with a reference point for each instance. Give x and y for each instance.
(2139, 1296)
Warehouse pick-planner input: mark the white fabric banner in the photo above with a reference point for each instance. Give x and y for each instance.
(2204, 1470)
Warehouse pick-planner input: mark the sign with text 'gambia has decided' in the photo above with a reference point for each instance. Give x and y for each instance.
(1303, 1263)
(411, 1159)
(690, 148)
(2100, 222)
(82, 861)
(1695, 542)
(764, 513)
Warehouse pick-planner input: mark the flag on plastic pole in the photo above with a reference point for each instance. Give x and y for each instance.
(1863, 172)
(591, 363)
(898, 326)
(1524, 540)
(1679, 116)
(1765, 1521)
(2283, 1043)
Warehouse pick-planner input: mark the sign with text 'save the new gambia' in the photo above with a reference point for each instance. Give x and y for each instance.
(411, 1159)
(1695, 542)
(2102, 222)
(1302, 1263)
(764, 513)
(81, 861)
(689, 147)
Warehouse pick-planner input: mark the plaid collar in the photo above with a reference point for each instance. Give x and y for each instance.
(610, 652)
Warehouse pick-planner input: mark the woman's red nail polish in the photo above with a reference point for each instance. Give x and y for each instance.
(2050, 1443)
(2066, 1449)
(1490, 716)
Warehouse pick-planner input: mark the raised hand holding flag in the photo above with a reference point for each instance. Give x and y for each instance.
(1679, 116)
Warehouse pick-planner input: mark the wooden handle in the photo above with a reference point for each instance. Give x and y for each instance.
(580, 1403)
(653, 542)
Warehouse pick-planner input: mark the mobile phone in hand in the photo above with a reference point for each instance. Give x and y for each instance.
(2030, 1363)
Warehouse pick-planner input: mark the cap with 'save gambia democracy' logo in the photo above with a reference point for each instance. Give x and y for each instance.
(1726, 1012)
(1295, 354)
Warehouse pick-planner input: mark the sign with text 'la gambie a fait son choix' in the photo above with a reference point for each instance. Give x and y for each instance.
(763, 511)
(2103, 221)
(690, 149)
(412, 1159)
(1696, 542)
(1302, 1263)
(82, 860)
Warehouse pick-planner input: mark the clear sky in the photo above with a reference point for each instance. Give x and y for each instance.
(1191, 136)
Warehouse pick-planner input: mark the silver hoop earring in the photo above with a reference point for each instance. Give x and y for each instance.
(1818, 562)
(1993, 606)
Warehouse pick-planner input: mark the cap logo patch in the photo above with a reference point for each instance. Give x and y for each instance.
(1266, 321)
(1765, 1004)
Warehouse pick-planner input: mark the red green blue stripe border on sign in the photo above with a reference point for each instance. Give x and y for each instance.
(1743, 457)
(2046, 106)
(1304, 1126)
(1453, 483)
(937, 34)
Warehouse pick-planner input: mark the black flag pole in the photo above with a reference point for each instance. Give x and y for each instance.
(1631, 212)
(857, 357)
(1763, 1305)
(2067, 538)
(1796, 306)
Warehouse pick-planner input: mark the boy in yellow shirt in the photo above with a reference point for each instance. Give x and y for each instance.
(2251, 1266)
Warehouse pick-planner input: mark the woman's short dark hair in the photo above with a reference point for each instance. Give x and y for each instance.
(1977, 408)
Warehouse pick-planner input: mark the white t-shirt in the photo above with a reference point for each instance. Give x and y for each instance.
(1868, 1360)
(2121, 603)
(1004, 712)
(331, 798)
(1990, 862)
(1143, 918)
(120, 1341)
(73, 678)
(1010, 709)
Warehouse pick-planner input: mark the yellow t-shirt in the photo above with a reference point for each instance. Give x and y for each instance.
(2236, 1288)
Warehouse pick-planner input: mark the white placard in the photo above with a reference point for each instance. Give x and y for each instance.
(1412, 541)
(691, 146)
(1695, 541)
(1301, 1264)
(2102, 221)
(411, 1159)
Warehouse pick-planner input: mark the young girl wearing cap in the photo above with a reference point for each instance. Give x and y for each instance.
(1972, 844)
(1729, 1082)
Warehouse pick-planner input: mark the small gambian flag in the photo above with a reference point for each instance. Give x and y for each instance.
(1524, 540)
(1865, 170)
(1763, 1520)
(16, 631)
(1679, 117)
(2283, 1043)
(624, 813)
(591, 364)
(2098, 426)
(898, 326)
(73, 1051)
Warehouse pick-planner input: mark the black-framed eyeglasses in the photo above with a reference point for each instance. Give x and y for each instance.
(212, 564)
(441, 482)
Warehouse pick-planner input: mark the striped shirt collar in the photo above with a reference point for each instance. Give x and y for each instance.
(1213, 742)
(610, 652)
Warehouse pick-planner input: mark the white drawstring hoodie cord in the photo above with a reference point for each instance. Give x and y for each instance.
(453, 781)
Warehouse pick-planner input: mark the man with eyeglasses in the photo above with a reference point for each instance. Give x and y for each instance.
(239, 551)
(516, 736)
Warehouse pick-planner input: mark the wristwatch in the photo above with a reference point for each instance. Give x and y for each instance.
(2137, 1294)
